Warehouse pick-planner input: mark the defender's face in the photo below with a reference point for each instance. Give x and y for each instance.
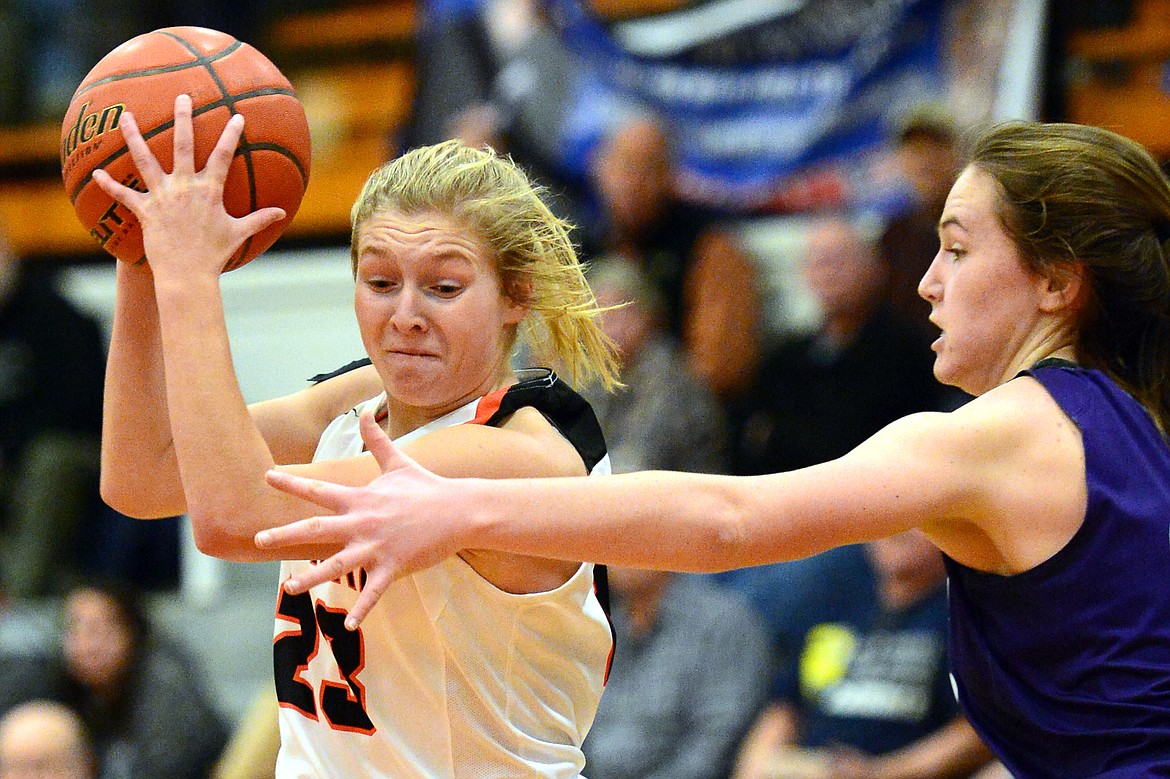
(983, 298)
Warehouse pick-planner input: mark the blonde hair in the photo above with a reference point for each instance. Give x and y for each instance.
(493, 198)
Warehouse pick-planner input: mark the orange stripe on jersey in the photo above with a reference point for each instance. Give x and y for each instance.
(488, 405)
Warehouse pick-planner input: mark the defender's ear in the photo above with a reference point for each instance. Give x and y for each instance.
(1063, 287)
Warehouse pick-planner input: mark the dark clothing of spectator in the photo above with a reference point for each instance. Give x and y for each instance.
(162, 726)
(812, 402)
(680, 696)
(890, 689)
(52, 364)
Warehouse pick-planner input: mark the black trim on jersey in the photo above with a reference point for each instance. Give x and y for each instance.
(565, 410)
(543, 390)
(320, 377)
(573, 417)
(1054, 362)
(601, 590)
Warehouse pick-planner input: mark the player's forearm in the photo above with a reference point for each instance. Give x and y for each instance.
(221, 454)
(660, 519)
(140, 475)
(701, 522)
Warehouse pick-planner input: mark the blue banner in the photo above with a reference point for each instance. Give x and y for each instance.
(776, 105)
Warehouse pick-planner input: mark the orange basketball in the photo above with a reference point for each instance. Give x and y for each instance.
(223, 76)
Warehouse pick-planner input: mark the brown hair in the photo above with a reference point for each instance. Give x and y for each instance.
(496, 201)
(1090, 197)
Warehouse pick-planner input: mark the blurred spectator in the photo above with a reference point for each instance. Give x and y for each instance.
(142, 554)
(662, 418)
(44, 740)
(13, 64)
(62, 41)
(872, 699)
(493, 72)
(690, 671)
(53, 525)
(707, 283)
(28, 631)
(925, 160)
(142, 698)
(791, 597)
(817, 396)
(456, 63)
(52, 362)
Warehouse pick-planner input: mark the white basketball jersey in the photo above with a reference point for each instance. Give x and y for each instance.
(447, 676)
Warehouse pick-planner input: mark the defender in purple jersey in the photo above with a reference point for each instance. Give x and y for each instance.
(1049, 492)
(1063, 668)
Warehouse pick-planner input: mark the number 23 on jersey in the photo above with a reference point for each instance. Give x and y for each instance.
(342, 703)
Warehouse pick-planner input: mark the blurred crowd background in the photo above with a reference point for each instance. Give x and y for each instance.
(760, 181)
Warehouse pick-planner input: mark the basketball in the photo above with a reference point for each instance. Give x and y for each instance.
(223, 76)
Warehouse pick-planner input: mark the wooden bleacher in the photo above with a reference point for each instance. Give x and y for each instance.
(1120, 78)
(353, 68)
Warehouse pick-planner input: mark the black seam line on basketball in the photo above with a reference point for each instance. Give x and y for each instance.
(284, 151)
(168, 125)
(230, 101)
(202, 61)
(242, 252)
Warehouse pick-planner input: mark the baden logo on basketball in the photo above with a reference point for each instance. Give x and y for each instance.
(88, 127)
(223, 77)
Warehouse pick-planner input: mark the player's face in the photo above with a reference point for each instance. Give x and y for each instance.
(983, 298)
(432, 312)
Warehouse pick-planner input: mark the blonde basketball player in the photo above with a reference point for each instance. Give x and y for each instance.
(484, 664)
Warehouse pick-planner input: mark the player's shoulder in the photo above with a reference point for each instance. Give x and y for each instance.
(987, 426)
(523, 444)
(541, 438)
(1012, 426)
(1018, 405)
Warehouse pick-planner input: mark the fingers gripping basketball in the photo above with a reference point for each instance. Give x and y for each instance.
(223, 76)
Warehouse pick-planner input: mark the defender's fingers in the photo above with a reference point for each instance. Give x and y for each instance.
(327, 570)
(373, 589)
(314, 531)
(130, 198)
(184, 136)
(144, 159)
(225, 148)
(323, 493)
(389, 456)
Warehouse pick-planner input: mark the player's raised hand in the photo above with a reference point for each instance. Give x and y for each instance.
(380, 527)
(184, 223)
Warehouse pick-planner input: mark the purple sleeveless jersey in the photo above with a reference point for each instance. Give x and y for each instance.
(1065, 669)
